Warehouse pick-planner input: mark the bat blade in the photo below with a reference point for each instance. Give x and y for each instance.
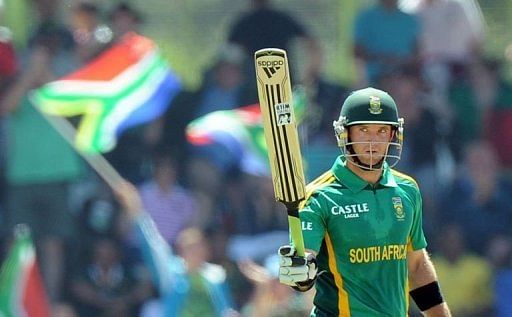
(280, 127)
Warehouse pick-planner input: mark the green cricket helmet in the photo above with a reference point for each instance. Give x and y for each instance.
(369, 106)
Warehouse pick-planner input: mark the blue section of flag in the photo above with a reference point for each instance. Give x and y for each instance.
(155, 106)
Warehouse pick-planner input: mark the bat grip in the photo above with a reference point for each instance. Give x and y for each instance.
(295, 226)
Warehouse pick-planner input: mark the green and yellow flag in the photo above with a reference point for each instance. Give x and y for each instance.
(21, 289)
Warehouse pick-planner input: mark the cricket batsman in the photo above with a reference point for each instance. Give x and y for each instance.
(362, 223)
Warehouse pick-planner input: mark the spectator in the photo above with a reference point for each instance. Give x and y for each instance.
(124, 18)
(132, 155)
(205, 180)
(454, 264)
(385, 38)
(500, 254)
(249, 207)
(479, 198)
(38, 179)
(270, 297)
(8, 62)
(99, 218)
(46, 10)
(467, 114)
(222, 89)
(449, 39)
(498, 118)
(260, 226)
(170, 205)
(322, 104)
(188, 285)
(240, 287)
(90, 34)
(264, 26)
(491, 87)
(8, 70)
(223, 83)
(105, 286)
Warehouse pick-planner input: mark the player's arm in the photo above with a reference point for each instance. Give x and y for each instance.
(424, 286)
(157, 254)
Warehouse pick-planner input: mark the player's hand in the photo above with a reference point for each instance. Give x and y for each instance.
(297, 271)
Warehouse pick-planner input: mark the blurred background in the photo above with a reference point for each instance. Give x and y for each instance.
(447, 63)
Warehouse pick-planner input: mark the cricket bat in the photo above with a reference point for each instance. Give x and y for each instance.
(280, 127)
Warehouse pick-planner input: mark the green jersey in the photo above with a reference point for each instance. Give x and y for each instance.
(362, 234)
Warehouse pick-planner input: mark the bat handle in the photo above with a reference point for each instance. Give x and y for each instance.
(295, 229)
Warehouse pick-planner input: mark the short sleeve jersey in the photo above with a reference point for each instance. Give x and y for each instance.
(362, 234)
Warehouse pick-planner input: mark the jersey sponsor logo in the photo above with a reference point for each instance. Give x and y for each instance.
(307, 226)
(378, 253)
(350, 211)
(399, 208)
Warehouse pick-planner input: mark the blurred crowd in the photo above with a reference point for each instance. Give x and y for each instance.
(457, 105)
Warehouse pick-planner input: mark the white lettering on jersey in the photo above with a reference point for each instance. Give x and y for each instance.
(307, 226)
(350, 211)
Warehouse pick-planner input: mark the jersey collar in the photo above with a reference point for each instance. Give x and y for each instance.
(356, 184)
(387, 179)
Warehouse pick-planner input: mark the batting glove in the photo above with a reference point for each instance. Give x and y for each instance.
(297, 271)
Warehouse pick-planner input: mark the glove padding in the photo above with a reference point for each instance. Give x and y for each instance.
(297, 271)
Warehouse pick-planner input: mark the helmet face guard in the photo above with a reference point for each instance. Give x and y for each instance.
(369, 106)
(391, 156)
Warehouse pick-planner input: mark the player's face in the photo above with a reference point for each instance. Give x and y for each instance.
(370, 142)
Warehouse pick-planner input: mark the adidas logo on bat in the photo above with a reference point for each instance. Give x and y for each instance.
(273, 67)
(270, 71)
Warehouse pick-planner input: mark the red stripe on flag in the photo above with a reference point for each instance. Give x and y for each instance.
(115, 60)
(199, 139)
(250, 114)
(34, 297)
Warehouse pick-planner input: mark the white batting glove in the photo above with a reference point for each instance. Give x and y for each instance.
(297, 271)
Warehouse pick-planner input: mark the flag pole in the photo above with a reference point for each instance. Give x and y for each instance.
(97, 161)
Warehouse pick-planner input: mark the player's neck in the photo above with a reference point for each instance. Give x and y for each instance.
(371, 176)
